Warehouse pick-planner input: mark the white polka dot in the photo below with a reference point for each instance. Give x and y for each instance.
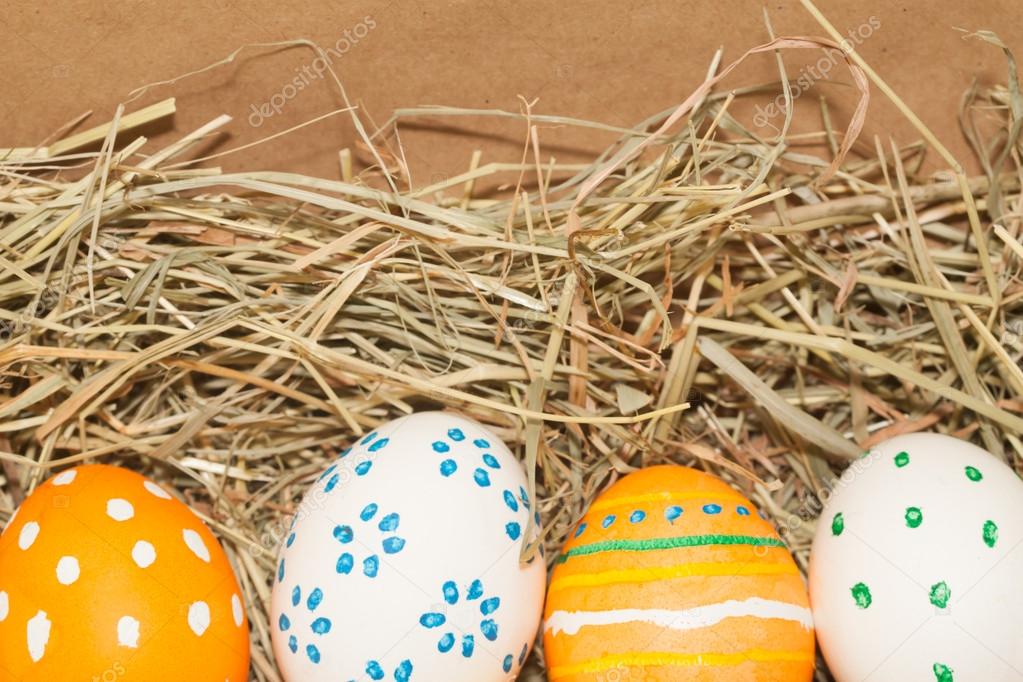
(38, 635)
(199, 617)
(28, 535)
(68, 570)
(65, 477)
(120, 510)
(128, 632)
(156, 490)
(143, 553)
(236, 610)
(196, 544)
(4, 606)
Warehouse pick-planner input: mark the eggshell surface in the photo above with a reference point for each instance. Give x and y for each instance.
(673, 575)
(916, 564)
(403, 561)
(104, 575)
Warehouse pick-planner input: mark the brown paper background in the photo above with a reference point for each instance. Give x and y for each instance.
(612, 62)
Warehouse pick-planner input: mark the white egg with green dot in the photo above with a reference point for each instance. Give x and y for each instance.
(916, 566)
(403, 562)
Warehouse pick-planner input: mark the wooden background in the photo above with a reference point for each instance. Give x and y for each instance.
(612, 62)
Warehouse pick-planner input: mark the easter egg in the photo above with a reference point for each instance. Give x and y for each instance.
(915, 565)
(403, 561)
(673, 575)
(104, 575)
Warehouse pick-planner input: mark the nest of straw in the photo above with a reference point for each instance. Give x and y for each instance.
(699, 294)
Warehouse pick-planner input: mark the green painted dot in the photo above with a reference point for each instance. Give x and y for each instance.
(940, 594)
(914, 517)
(837, 524)
(942, 673)
(990, 533)
(861, 594)
(902, 459)
(973, 474)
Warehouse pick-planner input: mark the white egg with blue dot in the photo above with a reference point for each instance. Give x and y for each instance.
(916, 563)
(403, 561)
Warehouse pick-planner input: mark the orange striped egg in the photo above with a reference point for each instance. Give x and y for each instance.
(673, 575)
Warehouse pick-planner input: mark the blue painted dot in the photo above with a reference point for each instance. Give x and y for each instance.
(332, 483)
(672, 513)
(524, 496)
(491, 461)
(513, 529)
(432, 620)
(509, 499)
(742, 511)
(284, 623)
(440, 446)
(522, 654)
(280, 571)
(389, 523)
(445, 643)
(489, 629)
(370, 566)
(321, 626)
(343, 534)
(369, 511)
(296, 595)
(580, 530)
(293, 643)
(327, 472)
(374, 671)
(448, 467)
(481, 443)
(450, 592)
(403, 672)
(313, 653)
(456, 434)
(536, 517)
(345, 562)
(368, 438)
(507, 665)
(314, 600)
(393, 545)
(482, 478)
(468, 644)
(608, 520)
(475, 590)
(362, 468)
(488, 606)
(711, 509)
(379, 445)
(637, 516)
(291, 540)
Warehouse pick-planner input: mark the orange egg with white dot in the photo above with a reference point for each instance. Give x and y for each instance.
(673, 575)
(105, 575)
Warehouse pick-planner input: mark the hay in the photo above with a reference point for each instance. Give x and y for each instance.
(228, 334)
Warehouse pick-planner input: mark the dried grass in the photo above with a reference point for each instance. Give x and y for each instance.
(229, 333)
